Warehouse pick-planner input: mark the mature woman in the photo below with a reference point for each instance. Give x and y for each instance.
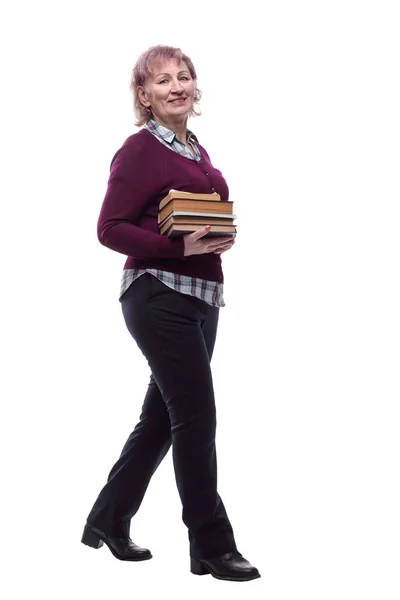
(171, 292)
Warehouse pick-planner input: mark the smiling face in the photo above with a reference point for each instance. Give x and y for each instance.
(169, 92)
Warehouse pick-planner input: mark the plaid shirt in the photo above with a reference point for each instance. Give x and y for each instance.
(209, 291)
(168, 138)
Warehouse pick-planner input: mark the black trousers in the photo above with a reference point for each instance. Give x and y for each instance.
(176, 333)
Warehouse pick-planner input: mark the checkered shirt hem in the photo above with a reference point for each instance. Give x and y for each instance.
(209, 291)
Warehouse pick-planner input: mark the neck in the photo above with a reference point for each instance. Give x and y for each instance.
(178, 127)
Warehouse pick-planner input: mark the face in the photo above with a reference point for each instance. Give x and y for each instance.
(169, 92)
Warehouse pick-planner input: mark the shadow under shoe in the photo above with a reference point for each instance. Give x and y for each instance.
(121, 548)
(231, 567)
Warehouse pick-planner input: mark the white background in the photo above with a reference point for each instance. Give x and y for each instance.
(301, 113)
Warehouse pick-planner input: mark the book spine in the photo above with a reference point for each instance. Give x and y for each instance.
(225, 207)
(190, 228)
(198, 220)
(188, 196)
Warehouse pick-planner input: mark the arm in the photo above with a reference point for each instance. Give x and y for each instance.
(128, 193)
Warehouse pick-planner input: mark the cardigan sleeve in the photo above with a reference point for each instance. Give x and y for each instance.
(129, 192)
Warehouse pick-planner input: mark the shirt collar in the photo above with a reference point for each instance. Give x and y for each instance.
(167, 134)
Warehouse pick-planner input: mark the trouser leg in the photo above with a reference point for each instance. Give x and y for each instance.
(128, 479)
(171, 330)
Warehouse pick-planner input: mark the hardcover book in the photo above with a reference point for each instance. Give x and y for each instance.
(175, 194)
(224, 207)
(183, 216)
(183, 228)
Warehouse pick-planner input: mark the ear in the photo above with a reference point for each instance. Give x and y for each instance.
(143, 96)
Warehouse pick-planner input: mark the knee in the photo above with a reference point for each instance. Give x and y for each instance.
(196, 416)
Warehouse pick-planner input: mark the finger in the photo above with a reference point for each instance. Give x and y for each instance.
(221, 250)
(196, 235)
(225, 243)
(219, 242)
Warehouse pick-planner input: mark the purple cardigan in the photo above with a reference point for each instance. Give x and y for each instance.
(142, 172)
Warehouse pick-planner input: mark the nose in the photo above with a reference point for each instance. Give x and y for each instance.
(177, 87)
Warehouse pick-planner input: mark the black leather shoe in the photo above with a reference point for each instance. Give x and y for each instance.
(231, 566)
(122, 548)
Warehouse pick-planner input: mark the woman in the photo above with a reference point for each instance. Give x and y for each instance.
(170, 295)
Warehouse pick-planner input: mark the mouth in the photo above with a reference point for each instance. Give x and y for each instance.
(178, 101)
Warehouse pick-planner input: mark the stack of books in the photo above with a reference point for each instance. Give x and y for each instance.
(185, 212)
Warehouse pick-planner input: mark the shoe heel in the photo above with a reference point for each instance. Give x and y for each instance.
(197, 568)
(91, 539)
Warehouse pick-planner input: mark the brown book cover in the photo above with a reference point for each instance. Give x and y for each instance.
(175, 194)
(187, 217)
(223, 207)
(182, 228)
(193, 221)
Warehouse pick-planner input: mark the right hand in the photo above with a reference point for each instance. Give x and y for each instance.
(194, 244)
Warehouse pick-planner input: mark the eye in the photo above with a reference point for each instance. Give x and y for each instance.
(184, 77)
(163, 81)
